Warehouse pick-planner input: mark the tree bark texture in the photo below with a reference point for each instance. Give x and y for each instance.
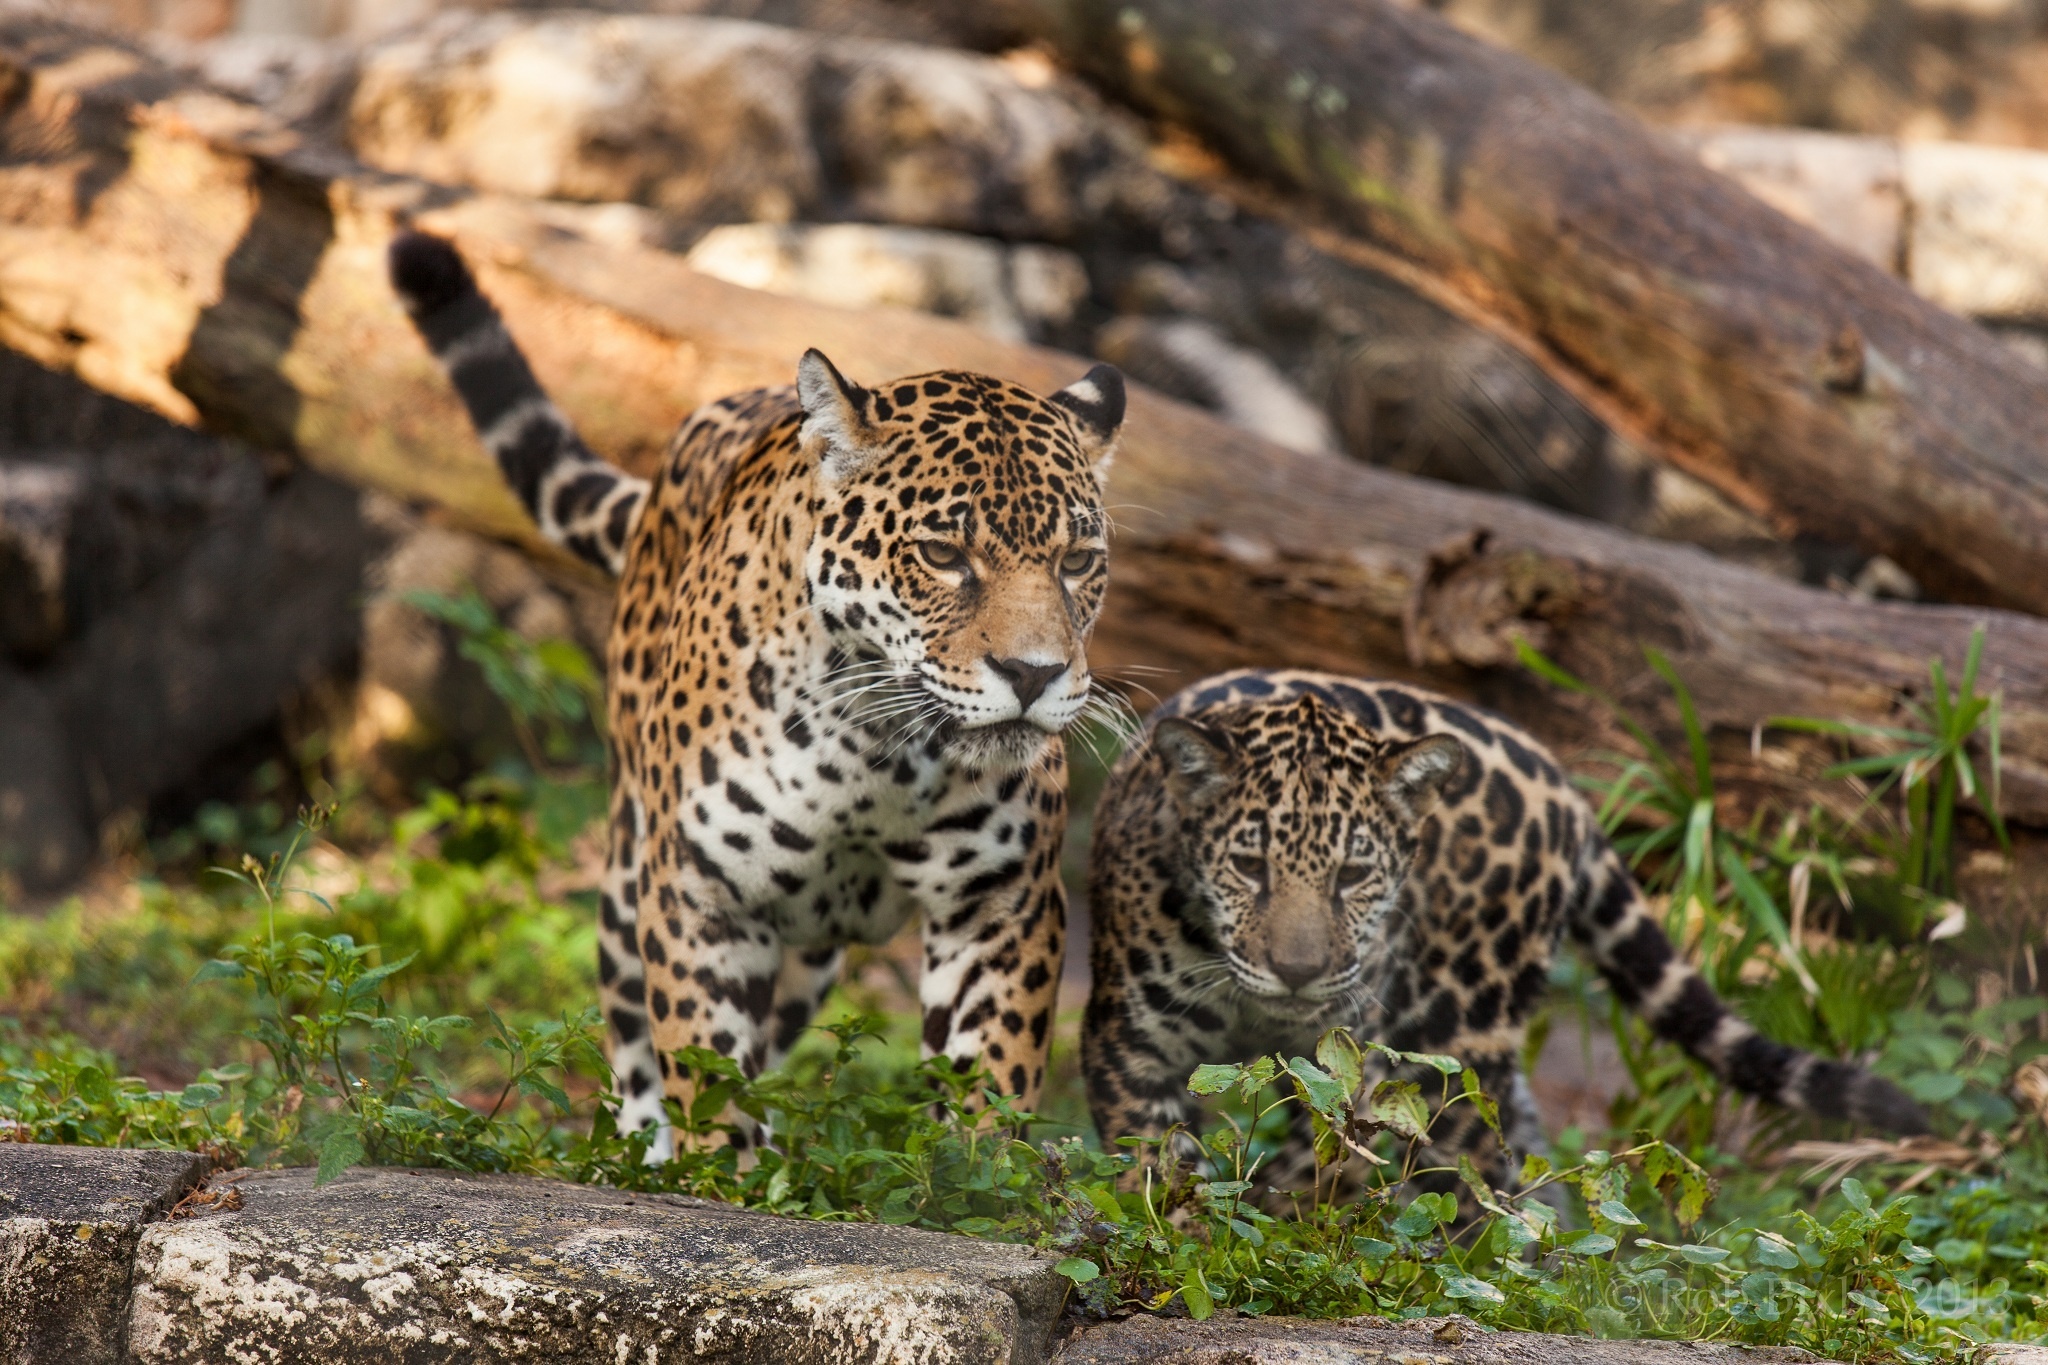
(172, 248)
(1798, 379)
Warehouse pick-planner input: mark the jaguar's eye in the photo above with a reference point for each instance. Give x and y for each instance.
(1077, 562)
(1351, 874)
(1249, 865)
(940, 555)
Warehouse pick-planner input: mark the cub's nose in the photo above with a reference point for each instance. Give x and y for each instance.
(1027, 680)
(1297, 964)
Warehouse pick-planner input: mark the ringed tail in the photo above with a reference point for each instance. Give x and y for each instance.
(579, 501)
(1636, 957)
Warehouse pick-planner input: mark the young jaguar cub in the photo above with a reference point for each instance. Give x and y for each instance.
(850, 628)
(1294, 851)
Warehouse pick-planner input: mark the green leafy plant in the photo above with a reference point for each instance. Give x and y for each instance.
(1928, 764)
(550, 687)
(1737, 895)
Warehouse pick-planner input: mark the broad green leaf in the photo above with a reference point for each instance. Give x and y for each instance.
(1449, 1066)
(1483, 1102)
(1614, 1211)
(1774, 1251)
(1590, 1244)
(1339, 1055)
(1105, 1203)
(1854, 1193)
(1398, 1106)
(1213, 1078)
(1078, 1270)
(1418, 1220)
(1934, 1087)
(1701, 1255)
(219, 970)
(1512, 1234)
(1372, 1250)
(1458, 1285)
(1319, 1088)
(541, 1088)
(1194, 1292)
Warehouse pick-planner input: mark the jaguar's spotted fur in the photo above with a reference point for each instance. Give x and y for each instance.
(1294, 851)
(849, 628)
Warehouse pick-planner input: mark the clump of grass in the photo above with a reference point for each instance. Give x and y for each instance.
(1875, 862)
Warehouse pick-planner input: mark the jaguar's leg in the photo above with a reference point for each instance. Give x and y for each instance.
(986, 874)
(807, 977)
(712, 970)
(622, 982)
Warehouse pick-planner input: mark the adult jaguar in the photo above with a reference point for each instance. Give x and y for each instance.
(1295, 851)
(849, 628)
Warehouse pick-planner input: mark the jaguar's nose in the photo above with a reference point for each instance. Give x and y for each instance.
(1027, 680)
(1297, 969)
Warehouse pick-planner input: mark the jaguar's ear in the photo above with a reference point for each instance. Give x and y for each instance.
(837, 432)
(1096, 400)
(1412, 774)
(1197, 761)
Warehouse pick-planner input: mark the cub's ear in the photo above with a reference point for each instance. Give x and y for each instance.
(1097, 401)
(836, 431)
(1412, 774)
(1197, 761)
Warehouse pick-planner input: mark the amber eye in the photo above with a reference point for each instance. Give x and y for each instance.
(1077, 562)
(1351, 874)
(940, 555)
(1248, 865)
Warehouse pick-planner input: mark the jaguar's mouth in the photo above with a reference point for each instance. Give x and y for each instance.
(1004, 744)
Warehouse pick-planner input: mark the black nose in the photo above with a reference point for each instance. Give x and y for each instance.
(1297, 964)
(1028, 681)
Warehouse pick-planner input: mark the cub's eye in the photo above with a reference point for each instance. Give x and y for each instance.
(940, 555)
(1248, 865)
(1077, 562)
(1351, 874)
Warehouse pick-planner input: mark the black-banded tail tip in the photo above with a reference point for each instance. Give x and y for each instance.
(1879, 1104)
(428, 273)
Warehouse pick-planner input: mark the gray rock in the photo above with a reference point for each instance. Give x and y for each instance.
(37, 503)
(1979, 228)
(1018, 292)
(402, 1266)
(264, 604)
(1355, 1341)
(720, 120)
(69, 1220)
(45, 829)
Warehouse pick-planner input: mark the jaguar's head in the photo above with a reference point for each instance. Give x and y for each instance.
(960, 552)
(1297, 828)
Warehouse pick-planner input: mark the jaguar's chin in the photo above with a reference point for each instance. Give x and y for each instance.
(1292, 1006)
(1003, 745)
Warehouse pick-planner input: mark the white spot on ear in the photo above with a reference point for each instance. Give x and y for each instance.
(1097, 402)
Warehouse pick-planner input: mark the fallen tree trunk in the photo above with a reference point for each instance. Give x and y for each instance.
(217, 272)
(1799, 380)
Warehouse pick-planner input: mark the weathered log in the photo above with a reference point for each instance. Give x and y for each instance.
(276, 322)
(1796, 378)
(697, 119)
